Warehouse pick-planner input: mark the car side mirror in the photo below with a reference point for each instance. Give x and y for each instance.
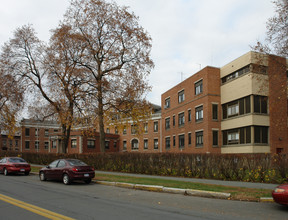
(48, 167)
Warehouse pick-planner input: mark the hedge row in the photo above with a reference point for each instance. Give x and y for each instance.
(264, 168)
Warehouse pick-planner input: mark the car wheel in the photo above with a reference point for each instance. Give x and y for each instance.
(87, 181)
(42, 176)
(5, 171)
(27, 173)
(66, 179)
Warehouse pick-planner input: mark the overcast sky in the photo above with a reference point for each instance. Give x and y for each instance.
(187, 34)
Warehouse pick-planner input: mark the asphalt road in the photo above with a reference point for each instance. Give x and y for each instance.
(93, 201)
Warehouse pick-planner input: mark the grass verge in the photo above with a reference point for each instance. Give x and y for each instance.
(237, 193)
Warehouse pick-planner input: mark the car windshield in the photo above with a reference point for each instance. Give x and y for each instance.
(76, 163)
(16, 160)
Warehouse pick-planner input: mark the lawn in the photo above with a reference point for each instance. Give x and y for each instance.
(237, 193)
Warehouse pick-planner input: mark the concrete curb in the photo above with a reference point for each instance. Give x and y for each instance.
(208, 194)
(266, 199)
(174, 190)
(190, 192)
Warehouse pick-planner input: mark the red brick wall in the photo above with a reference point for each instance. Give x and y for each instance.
(210, 94)
(278, 104)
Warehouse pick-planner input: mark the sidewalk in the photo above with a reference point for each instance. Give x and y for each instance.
(196, 180)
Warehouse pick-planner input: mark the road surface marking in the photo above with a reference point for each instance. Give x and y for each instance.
(32, 208)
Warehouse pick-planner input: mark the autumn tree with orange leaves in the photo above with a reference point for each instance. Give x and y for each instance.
(94, 67)
(46, 72)
(115, 59)
(11, 102)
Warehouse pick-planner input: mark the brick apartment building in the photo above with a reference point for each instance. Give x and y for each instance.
(9, 143)
(149, 141)
(254, 104)
(45, 137)
(239, 108)
(191, 114)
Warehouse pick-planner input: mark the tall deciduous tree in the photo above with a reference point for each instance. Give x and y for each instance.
(46, 71)
(115, 56)
(11, 96)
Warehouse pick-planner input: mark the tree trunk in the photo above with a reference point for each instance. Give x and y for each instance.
(65, 140)
(101, 117)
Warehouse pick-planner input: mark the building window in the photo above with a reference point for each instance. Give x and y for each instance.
(37, 145)
(233, 109)
(155, 126)
(181, 96)
(189, 139)
(90, 144)
(115, 144)
(181, 141)
(156, 144)
(27, 145)
(116, 130)
(233, 137)
(107, 145)
(135, 144)
(174, 121)
(239, 107)
(133, 129)
(146, 128)
(27, 132)
(215, 138)
(167, 142)
(107, 130)
(36, 132)
(167, 123)
(181, 119)
(198, 87)
(46, 132)
(174, 141)
(54, 144)
(199, 113)
(167, 103)
(46, 145)
(260, 104)
(260, 135)
(199, 139)
(124, 145)
(145, 144)
(236, 74)
(214, 111)
(73, 143)
(189, 115)
(237, 136)
(124, 130)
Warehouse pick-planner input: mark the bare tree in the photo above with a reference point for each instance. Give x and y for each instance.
(115, 56)
(276, 41)
(46, 71)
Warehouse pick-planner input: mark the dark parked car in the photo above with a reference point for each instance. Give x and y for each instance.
(280, 194)
(67, 170)
(14, 165)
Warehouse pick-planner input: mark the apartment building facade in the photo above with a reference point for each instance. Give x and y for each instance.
(254, 104)
(148, 140)
(46, 137)
(239, 108)
(191, 114)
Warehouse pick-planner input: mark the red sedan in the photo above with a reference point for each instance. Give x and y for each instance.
(67, 170)
(14, 165)
(280, 194)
